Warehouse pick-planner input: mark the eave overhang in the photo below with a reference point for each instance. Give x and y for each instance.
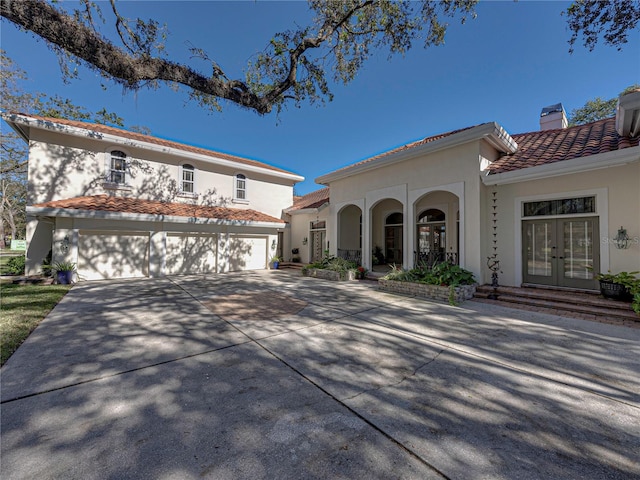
(144, 217)
(628, 115)
(565, 167)
(491, 132)
(22, 123)
(299, 211)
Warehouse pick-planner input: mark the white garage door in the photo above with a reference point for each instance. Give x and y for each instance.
(247, 253)
(189, 253)
(113, 255)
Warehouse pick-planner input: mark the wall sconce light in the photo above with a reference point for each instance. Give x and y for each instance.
(273, 244)
(622, 240)
(64, 244)
(305, 240)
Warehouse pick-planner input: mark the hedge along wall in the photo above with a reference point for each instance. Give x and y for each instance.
(434, 292)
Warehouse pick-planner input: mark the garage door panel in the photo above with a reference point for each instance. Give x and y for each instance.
(190, 254)
(247, 253)
(113, 255)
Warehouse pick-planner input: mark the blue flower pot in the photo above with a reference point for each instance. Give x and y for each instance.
(64, 277)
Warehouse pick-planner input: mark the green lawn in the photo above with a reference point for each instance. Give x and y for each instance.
(22, 307)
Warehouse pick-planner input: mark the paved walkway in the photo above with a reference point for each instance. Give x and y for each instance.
(268, 375)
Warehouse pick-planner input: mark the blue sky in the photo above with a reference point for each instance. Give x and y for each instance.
(504, 66)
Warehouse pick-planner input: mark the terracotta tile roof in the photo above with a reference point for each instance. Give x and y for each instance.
(96, 127)
(408, 146)
(311, 200)
(550, 146)
(106, 203)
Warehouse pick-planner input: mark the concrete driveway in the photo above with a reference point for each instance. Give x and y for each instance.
(268, 375)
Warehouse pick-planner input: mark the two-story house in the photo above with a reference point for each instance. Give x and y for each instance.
(122, 204)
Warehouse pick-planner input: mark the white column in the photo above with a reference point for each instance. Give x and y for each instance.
(157, 254)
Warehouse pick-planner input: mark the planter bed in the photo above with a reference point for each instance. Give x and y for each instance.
(329, 274)
(434, 292)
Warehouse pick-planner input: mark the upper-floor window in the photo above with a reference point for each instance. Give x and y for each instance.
(187, 178)
(241, 187)
(118, 167)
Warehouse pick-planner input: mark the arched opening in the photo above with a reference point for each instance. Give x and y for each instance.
(437, 228)
(432, 236)
(350, 234)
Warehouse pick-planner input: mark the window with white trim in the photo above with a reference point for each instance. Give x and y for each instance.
(241, 187)
(118, 167)
(187, 178)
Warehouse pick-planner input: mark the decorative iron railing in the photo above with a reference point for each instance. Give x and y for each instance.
(429, 259)
(351, 255)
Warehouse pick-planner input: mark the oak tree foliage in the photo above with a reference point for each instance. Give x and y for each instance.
(597, 109)
(13, 149)
(296, 66)
(611, 20)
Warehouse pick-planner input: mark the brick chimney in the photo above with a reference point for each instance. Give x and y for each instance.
(553, 117)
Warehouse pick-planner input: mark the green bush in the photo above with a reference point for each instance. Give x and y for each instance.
(329, 262)
(15, 266)
(445, 274)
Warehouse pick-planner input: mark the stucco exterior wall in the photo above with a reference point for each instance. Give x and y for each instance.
(617, 191)
(300, 230)
(64, 167)
(405, 185)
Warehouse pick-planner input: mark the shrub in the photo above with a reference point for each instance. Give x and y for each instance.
(15, 266)
(445, 274)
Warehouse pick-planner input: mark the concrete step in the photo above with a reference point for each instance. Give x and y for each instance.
(580, 304)
(295, 265)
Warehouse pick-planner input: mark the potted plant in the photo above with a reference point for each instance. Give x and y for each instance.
(361, 273)
(618, 286)
(275, 262)
(64, 272)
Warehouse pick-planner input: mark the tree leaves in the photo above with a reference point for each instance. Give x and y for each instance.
(611, 19)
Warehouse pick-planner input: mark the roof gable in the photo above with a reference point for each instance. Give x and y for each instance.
(311, 200)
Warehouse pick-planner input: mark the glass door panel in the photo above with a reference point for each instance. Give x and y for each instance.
(580, 252)
(393, 244)
(539, 251)
(561, 252)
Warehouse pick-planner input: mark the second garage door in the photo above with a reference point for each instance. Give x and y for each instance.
(190, 253)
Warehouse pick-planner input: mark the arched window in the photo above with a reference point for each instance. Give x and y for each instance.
(118, 167)
(394, 219)
(241, 187)
(431, 215)
(187, 178)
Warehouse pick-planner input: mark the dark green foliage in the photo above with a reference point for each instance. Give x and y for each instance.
(610, 19)
(445, 274)
(15, 265)
(629, 280)
(329, 262)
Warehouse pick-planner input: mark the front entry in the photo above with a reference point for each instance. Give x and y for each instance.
(318, 240)
(393, 244)
(562, 252)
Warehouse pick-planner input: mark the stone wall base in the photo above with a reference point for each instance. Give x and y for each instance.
(435, 292)
(329, 274)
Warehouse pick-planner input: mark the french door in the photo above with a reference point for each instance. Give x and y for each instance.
(318, 239)
(393, 244)
(562, 252)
